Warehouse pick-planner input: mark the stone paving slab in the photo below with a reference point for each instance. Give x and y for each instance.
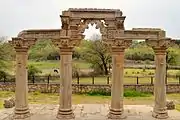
(89, 112)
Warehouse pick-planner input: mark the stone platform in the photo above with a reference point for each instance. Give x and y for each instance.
(89, 112)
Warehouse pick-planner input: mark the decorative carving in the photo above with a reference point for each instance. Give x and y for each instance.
(119, 43)
(120, 22)
(65, 22)
(115, 34)
(111, 34)
(66, 42)
(19, 43)
(160, 44)
(111, 25)
(122, 43)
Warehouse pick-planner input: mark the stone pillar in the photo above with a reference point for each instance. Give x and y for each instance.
(116, 109)
(160, 110)
(65, 107)
(21, 91)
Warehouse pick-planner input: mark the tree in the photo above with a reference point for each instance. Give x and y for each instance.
(139, 51)
(96, 53)
(6, 52)
(173, 57)
(43, 50)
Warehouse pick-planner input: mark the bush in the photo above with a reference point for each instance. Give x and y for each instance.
(143, 53)
(99, 93)
(2, 75)
(127, 93)
(32, 71)
(133, 93)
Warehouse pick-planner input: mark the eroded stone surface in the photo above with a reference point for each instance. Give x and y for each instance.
(170, 105)
(9, 103)
(89, 112)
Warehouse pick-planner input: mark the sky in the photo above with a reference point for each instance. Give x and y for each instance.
(17, 15)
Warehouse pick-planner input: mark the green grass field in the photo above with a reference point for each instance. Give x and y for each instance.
(56, 64)
(42, 98)
(47, 67)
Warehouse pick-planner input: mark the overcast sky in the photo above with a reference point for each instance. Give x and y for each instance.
(16, 15)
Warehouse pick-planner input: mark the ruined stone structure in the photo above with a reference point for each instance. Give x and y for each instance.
(111, 24)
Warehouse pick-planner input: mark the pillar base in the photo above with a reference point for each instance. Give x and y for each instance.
(116, 114)
(160, 114)
(65, 114)
(21, 113)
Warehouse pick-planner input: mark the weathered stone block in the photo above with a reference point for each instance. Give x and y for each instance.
(9, 103)
(170, 105)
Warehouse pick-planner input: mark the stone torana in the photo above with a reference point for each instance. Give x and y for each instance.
(111, 25)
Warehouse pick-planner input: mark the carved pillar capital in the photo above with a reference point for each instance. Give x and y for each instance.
(65, 44)
(120, 45)
(116, 110)
(22, 45)
(160, 46)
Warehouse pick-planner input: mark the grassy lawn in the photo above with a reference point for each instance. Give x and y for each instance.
(47, 67)
(41, 98)
(56, 63)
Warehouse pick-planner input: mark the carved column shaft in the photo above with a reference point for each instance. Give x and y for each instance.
(65, 108)
(116, 110)
(160, 110)
(21, 90)
(21, 46)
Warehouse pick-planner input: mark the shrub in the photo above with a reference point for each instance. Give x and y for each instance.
(2, 74)
(32, 70)
(99, 93)
(127, 93)
(133, 93)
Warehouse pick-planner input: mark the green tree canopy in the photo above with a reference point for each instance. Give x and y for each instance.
(6, 52)
(43, 50)
(96, 53)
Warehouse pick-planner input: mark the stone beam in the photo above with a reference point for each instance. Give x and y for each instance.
(91, 13)
(144, 33)
(41, 33)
